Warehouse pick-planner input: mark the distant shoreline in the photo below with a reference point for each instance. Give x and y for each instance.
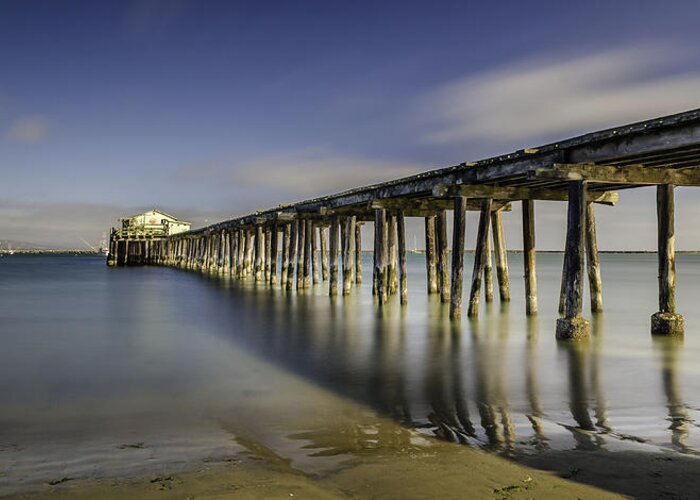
(52, 252)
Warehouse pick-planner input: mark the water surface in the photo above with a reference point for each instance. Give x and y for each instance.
(115, 372)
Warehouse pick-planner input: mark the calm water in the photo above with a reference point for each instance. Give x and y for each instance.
(111, 372)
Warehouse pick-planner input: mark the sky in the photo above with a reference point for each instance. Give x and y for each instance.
(210, 110)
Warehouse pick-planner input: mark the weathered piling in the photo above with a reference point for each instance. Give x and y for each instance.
(268, 253)
(595, 280)
(401, 237)
(308, 234)
(442, 256)
(430, 257)
(315, 275)
(480, 256)
(488, 267)
(324, 253)
(259, 252)
(380, 256)
(666, 321)
(285, 254)
(573, 326)
(274, 249)
(392, 275)
(458, 238)
(294, 228)
(333, 257)
(499, 244)
(349, 254)
(358, 253)
(301, 247)
(529, 257)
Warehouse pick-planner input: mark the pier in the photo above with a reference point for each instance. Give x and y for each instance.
(317, 242)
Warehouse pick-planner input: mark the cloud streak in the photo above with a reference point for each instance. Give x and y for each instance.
(551, 98)
(302, 173)
(28, 129)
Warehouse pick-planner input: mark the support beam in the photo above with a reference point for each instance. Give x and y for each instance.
(595, 280)
(358, 253)
(499, 243)
(274, 253)
(315, 271)
(293, 236)
(458, 238)
(667, 321)
(442, 256)
(333, 244)
(615, 174)
(529, 257)
(380, 258)
(392, 274)
(259, 253)
(268, 253)
(349, 254)
(401, 237)
(476, 191)
(482, 238)
(430, 255)
(488, 267)
(285, 255)
(308, 234)
(324, 253)
(572, 326)
(301, 246)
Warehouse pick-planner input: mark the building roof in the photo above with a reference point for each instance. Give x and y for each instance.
(157, 211)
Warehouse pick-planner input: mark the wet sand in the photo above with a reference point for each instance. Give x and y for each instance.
(447, 471)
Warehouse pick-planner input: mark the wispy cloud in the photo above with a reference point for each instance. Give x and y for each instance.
(301, 173)
(548, 98)
(28, 129)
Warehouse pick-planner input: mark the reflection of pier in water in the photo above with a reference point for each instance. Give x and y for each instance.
(456, 383)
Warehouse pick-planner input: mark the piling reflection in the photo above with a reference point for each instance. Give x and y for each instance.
(478, 383)
(678, 416)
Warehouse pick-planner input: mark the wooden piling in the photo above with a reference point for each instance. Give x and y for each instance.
(442, 256)
(315, 275)
(499, 243)
(301, 247)
(268, 253)
(358, 253)
(274, 244)
(488, 266)
(308, 233)
(480, 256)
(393, 278)
(430, 257)
(459, 231)
(529, 257)
(349, 254)
(324, 253)
(380, 258)
(573, 326)
(333, 250)
(294, 228)
(401, 237)
(285, 255)
(259, 253)
(595, 281)
(666, 321)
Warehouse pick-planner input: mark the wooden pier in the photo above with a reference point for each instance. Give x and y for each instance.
(317, 241)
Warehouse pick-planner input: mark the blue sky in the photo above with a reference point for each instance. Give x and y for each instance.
(214, 109)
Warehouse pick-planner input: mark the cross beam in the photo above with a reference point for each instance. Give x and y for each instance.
(614, 174)
(517, 193)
